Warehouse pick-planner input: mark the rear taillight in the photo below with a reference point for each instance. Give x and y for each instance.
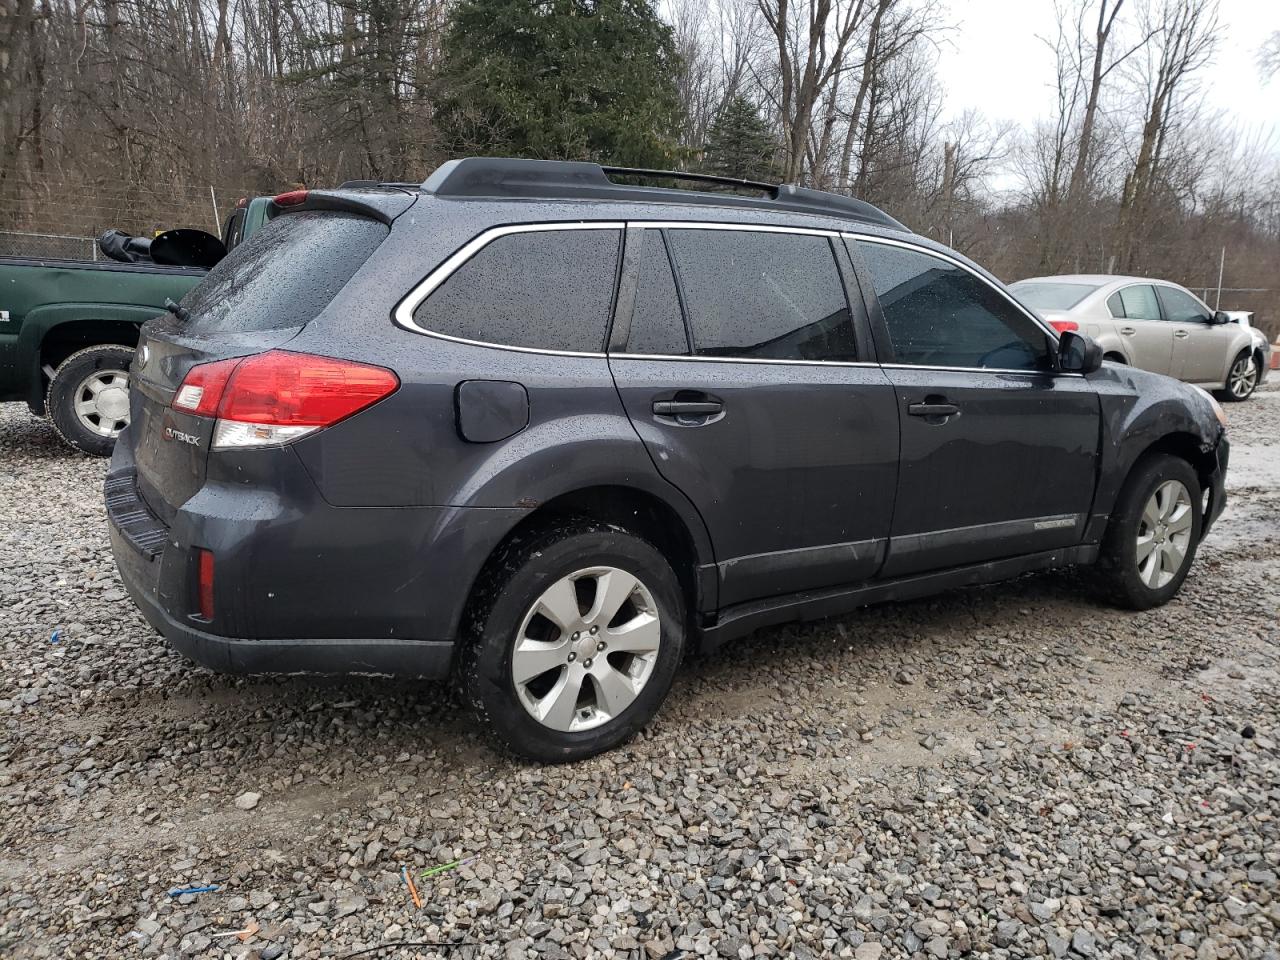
(1062, 326)
(278, 396)
(204, 583)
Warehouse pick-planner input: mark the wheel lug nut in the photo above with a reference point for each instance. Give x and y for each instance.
(573, 657)
(600, 645)
(587, 663)
(595, 629)
(576, 636)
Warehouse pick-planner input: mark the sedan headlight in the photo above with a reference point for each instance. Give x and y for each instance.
(1217, 407)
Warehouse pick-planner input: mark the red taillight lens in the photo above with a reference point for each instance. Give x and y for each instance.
(204, 583)
(201, 389)
(1062, 326)
(291, 199)
(278, 396)
(299, 390)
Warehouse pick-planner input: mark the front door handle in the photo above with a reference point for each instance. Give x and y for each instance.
(687, 408)
(1128, 331)
(1181, 334)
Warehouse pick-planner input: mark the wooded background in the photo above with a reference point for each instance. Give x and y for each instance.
(150, 113)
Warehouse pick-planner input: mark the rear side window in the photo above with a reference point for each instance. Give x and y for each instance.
(546, 289)
(1116, 305)
(1139, 303)
(754, 294)
(657, 325)
(941, 315)
(283, 275)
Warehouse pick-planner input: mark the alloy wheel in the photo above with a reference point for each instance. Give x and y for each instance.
(586, 648)
(1244, 373)
(1164, 534)
(102, 402)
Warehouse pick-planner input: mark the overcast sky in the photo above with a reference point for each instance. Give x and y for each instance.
(993, 60)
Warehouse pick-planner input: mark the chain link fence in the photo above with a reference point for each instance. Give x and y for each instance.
(47, 246)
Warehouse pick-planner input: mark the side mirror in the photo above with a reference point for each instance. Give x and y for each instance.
(1078, 353)
(1220, 316)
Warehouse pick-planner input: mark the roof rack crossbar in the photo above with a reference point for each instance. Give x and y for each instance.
(503, 178)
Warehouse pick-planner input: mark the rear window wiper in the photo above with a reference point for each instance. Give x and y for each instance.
(179, 311)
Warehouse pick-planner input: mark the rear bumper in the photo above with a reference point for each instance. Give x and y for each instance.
(424, 658)
(301, 585)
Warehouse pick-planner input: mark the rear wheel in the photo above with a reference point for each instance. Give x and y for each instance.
(1153, 534)
(573, 640)
(88, 397)
(1242, 379)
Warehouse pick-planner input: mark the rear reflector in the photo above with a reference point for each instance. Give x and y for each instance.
(278, 396)
(204, 581)
(1062, 326)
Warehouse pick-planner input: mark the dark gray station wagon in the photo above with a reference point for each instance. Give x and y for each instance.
(548, 432)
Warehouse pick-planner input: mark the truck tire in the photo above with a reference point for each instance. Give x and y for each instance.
(1152, 538)
(88, 397)
(572, 639)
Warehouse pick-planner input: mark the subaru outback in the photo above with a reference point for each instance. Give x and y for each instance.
(546, 431)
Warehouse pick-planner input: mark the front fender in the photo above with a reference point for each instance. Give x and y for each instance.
(1139, 410)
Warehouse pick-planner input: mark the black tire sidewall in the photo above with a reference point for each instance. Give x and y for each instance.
(60, 398)
(1120, 552)
(518, 577)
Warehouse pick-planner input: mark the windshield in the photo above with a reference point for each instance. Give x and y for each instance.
(1053, 296)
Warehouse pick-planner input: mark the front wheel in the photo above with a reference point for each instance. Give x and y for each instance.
(1242, 379)
(88, 397)
(1153, 534)
(573, 640)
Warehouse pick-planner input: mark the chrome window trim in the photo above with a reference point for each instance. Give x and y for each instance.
(916, 248)
(403, 314)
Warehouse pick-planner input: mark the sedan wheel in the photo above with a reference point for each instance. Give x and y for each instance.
(1243, 377)
(1164, 534)
(586, 649)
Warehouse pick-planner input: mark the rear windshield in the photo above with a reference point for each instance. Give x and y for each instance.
(1053, 296)
(284, 274)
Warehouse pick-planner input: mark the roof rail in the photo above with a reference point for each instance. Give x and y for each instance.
(576, 180)
(369, 184)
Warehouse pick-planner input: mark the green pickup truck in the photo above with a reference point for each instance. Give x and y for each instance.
(68, 329)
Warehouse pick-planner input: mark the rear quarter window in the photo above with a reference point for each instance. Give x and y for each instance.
(539, 289)
(283, 275)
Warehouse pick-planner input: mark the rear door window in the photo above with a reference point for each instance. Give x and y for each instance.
(762, 295)
(1139, 302)
(542, 289)
(283, 275)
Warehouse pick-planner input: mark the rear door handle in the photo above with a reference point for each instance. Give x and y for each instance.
(933, 408)
(1128, 331)
(687, 408)
(1181, 334)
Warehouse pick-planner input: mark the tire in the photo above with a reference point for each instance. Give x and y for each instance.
(1240, 381)
(1125, 580)
(86, 420)
(534, 572)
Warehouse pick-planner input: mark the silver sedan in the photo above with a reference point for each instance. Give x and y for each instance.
(1152, 324)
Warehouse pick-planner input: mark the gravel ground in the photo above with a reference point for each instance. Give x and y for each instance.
(1008, 771)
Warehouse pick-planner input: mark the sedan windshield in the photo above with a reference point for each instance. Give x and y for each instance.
(1053, 296)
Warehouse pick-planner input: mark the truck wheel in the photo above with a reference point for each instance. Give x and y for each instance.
(573, 639)
(1153, 534)
(88, 397)
(1242, 378)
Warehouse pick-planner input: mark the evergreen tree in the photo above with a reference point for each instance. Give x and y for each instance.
(740, 144)
(559, 79)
